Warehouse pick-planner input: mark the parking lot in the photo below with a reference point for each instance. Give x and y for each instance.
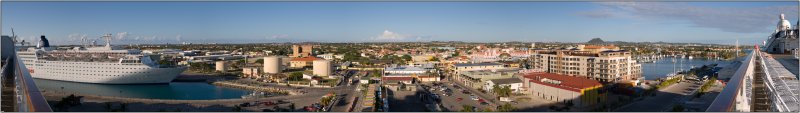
(457, 97)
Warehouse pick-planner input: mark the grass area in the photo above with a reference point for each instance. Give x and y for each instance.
(668, 82)
(524, 99)
(706, 86)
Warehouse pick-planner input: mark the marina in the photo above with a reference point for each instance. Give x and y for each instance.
(663, 67)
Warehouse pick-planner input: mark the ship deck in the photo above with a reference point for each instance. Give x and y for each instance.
(788, 61)
(782, 72)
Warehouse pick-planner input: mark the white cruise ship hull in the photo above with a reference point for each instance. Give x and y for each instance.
(102, 72)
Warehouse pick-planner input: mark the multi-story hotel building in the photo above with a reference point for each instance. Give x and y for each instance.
(602, 63)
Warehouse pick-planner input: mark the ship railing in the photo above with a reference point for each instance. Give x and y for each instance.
(19, 89)
(735, 97)
(19, 92)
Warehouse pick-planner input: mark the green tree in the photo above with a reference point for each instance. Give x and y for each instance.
(406, 57)
(200, 66)
(506, 108)
(325, 101)
(260, 61)
(351, 57)
(502, 91)
(377, 73)
(295, 76)
(434, 59)
(467, 108)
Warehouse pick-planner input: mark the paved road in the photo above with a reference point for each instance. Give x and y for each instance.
(453, 104)
(489, 97)
(406, 101)
(664, 98)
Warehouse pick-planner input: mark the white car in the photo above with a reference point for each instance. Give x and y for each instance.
(473, 97)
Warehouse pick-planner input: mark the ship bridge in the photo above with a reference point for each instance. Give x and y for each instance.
(19, 92)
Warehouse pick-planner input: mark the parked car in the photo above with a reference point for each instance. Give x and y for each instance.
(473, 97)
(246, 104)
(465, 92)
(484, 103)
(269, 103)
(282, 102)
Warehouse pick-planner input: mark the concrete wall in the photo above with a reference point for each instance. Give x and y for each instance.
(272, 64)
(323, 68)
(222, 66)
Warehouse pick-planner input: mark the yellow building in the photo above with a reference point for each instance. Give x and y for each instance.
(302, 62)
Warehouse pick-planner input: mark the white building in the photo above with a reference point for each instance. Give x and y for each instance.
(331, 56)
(513, 83)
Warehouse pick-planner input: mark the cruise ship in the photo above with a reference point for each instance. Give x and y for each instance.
(96, 64)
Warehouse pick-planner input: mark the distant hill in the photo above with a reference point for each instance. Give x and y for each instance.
(596, 41)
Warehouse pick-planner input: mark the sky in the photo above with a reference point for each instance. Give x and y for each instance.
(267, 22)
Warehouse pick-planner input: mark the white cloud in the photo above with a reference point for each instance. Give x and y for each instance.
(390, 36)
(729, 19)
(122, 35)
(274, 37)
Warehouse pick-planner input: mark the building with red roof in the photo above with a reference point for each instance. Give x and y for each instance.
(580, 91)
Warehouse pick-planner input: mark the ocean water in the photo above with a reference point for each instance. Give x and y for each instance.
(174, 90)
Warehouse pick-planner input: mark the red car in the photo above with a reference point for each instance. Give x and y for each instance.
(481, 100)
(269, 103)
(459, 99)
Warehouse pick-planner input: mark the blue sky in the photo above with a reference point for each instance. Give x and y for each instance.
(263, 22)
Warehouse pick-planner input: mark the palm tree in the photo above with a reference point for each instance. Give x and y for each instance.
(501, 91)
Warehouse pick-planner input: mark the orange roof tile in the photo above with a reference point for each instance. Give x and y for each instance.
(567, 82)
(306, 59)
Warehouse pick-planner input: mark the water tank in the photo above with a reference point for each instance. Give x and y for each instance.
(322, 67)
(222, 66)
(272, 64)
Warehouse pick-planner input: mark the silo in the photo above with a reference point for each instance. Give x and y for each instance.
(222, 66)
(272, 64)
(322, 68)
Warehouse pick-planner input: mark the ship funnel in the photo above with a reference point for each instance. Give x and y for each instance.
(43, 42)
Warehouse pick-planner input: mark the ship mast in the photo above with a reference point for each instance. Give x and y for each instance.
(107, 37)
